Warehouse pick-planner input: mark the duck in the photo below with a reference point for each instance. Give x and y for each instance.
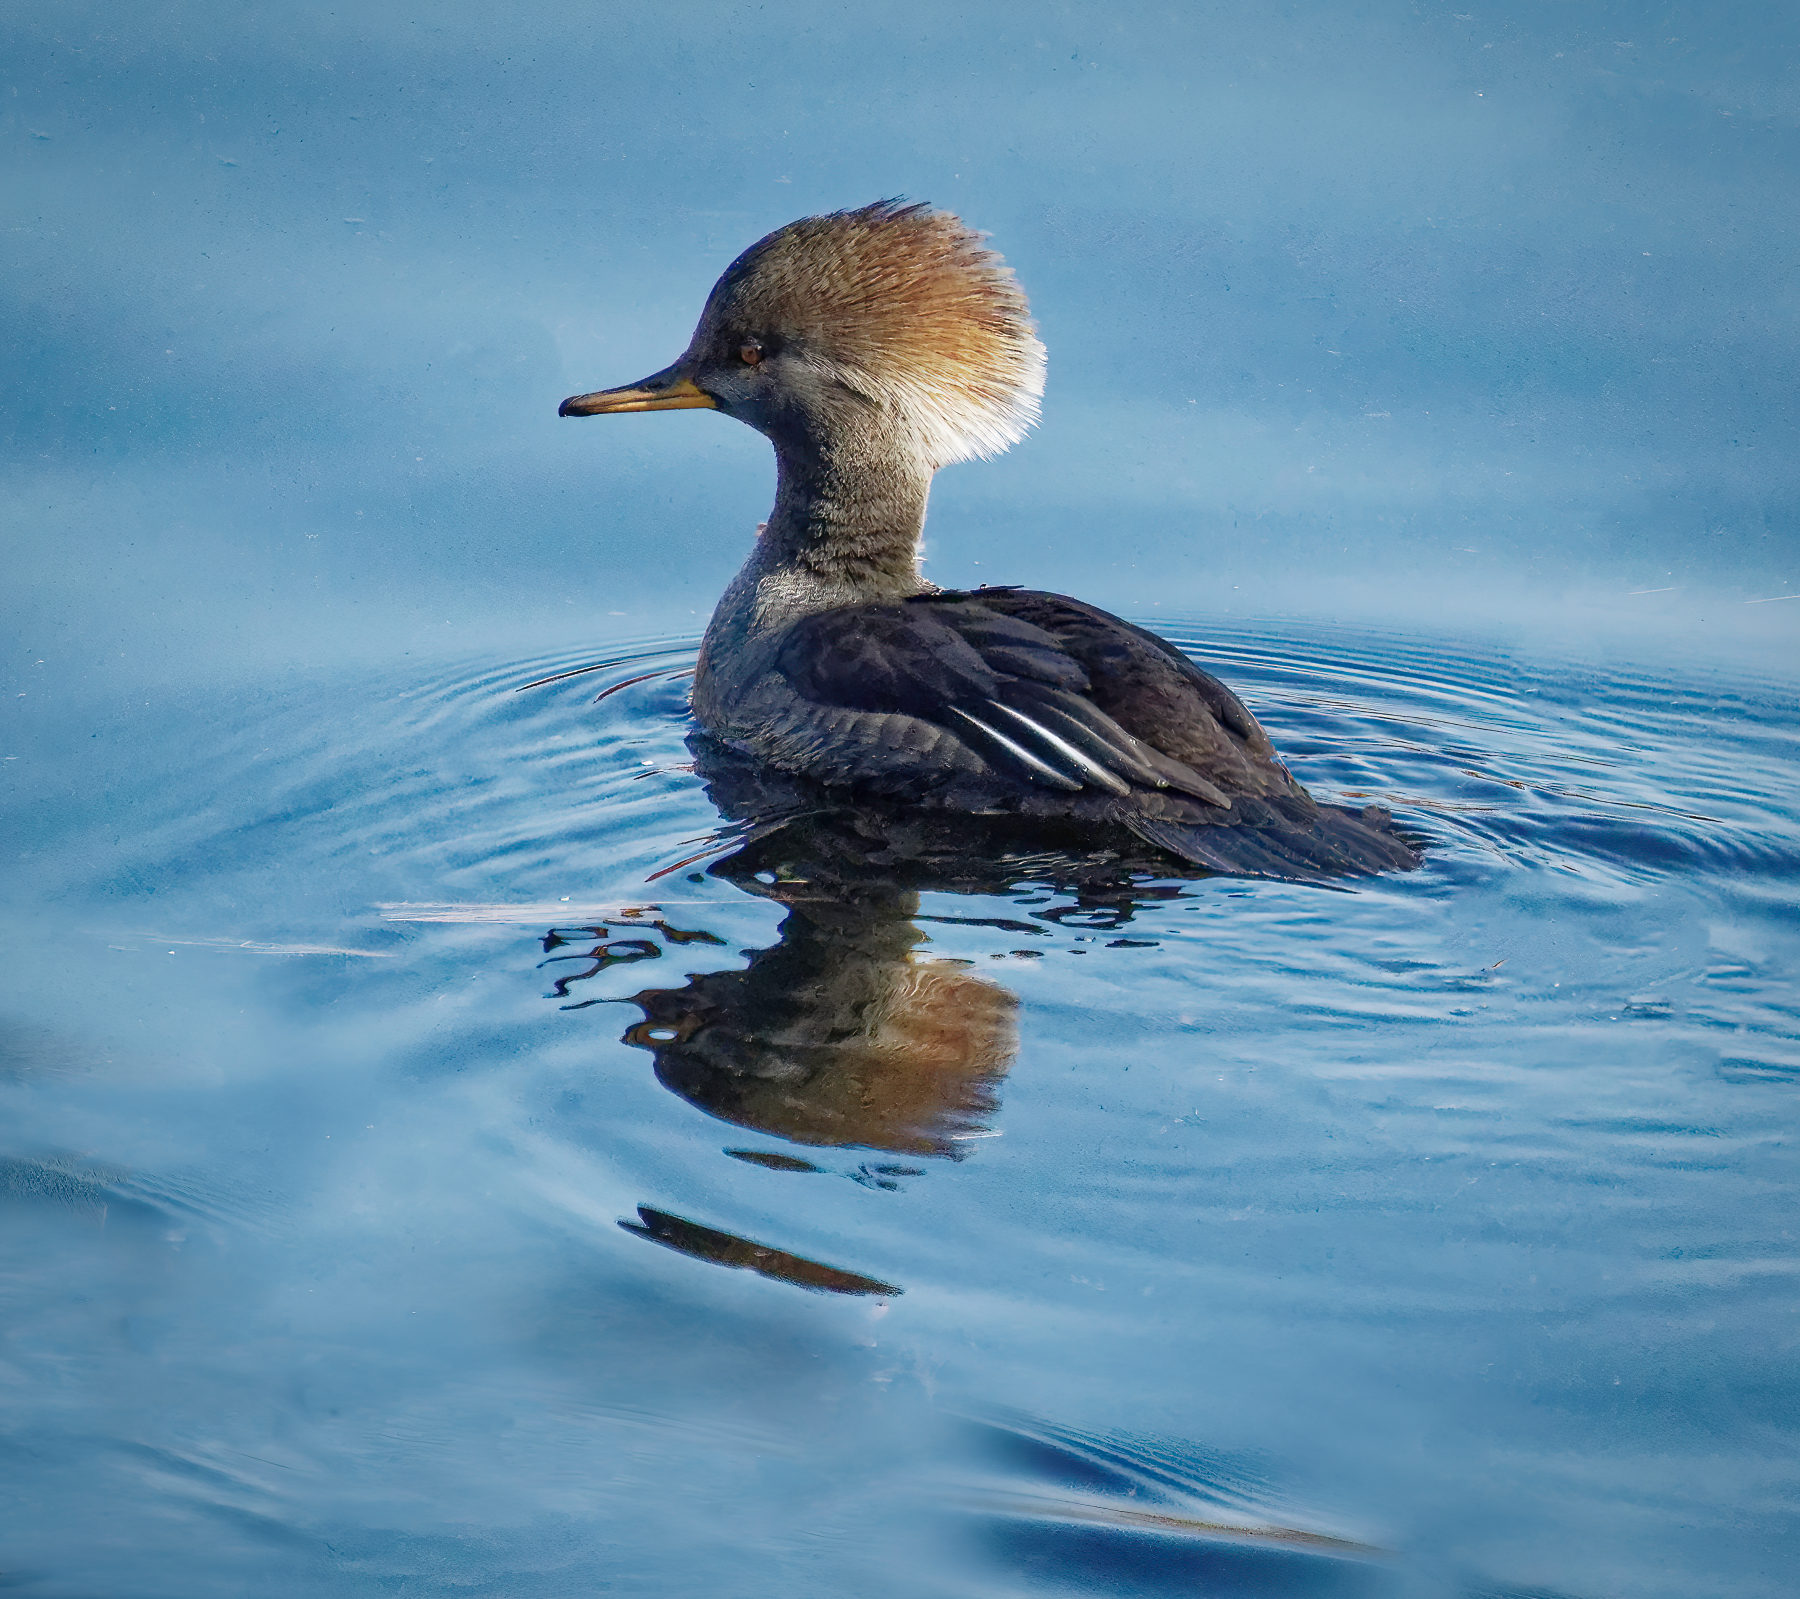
(873, 347)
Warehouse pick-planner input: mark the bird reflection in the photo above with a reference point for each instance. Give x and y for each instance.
(727, 1249)
(838, 1035)
(843, 1034)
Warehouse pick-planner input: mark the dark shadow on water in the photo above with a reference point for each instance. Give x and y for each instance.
(1116, 1513)
(1069, 1558)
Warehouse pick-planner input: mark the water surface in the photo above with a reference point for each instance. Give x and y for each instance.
(1426, 1234)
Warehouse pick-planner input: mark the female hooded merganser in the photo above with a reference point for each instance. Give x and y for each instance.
(872, 347)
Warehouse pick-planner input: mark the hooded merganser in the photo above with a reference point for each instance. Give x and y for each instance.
(872, 347)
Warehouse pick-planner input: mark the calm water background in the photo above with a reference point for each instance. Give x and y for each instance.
(1430, 375)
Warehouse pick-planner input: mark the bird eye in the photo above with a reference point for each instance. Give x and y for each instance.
(750, 354)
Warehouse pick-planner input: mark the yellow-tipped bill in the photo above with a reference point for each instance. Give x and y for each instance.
(659, 393)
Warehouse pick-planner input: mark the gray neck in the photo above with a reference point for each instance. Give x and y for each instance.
(845, 530)
(849, 513)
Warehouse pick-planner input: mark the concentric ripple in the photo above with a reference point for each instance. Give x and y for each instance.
(1426, 1234)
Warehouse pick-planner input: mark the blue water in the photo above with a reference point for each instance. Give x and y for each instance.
(1431, 1234)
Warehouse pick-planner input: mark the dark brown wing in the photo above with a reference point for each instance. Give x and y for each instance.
(1154, 691)
(1002, 689)
(1013, 699)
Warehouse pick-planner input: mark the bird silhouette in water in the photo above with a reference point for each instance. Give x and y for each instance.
(872, 347)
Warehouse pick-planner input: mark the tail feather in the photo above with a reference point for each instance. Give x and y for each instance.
(1304, 842)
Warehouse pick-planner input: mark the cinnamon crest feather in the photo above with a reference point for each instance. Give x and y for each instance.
(905, 306)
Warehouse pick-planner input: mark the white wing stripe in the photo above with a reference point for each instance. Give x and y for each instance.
(1032, 764)
(1082, 762)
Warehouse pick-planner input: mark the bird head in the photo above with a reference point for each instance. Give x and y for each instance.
(891, 321)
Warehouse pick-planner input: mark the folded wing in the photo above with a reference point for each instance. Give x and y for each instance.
(1012, 700)
(1000, 693)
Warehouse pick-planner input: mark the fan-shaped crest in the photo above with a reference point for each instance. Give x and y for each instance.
(907, 306)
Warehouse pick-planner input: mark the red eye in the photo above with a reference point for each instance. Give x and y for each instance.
(749, 354)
